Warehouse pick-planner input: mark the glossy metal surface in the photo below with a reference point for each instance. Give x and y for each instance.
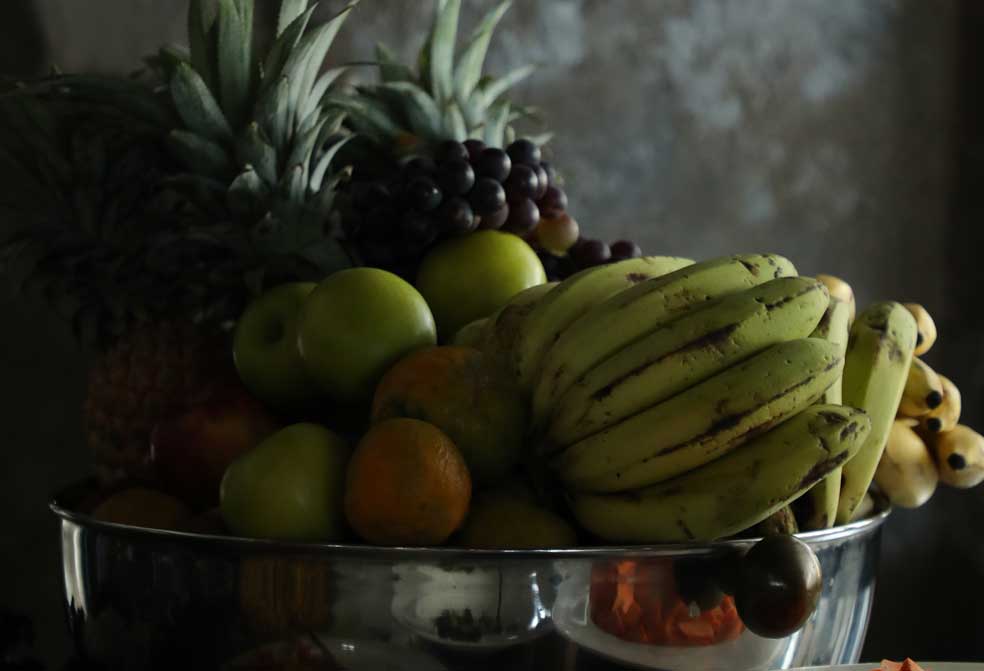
(146, 599)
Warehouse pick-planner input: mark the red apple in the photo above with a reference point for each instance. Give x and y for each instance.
(189, 453)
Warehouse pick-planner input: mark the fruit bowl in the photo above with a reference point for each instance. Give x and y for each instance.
(149, 599)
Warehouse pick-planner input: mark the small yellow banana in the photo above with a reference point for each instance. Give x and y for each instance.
(926, 328)
(947, 414)
(840, 290)
(923, 390)
(959, 456)
(906, 473)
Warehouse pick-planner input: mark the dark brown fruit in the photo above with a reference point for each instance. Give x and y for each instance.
(422, 194)
(475, 148)
(525, 152)
(524, 215)
(496, 219)
(449, 150)
(554, 202)
(420, 166)
(696, 582)
(419, 231)
(457, 217)
(588, 253)
(487, 196)
(778, 586)
(625, 249)
(557, 234)
(494, 164)
(542, 182)
(456, 177)
(522, 183)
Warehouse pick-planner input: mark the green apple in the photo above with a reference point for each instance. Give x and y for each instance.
(265, 347)
(471, 277)
(355, 325)
(289, 487)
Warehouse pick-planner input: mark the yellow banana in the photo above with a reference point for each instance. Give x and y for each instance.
(631, 314)
(703, 422)
(959, 456)
(575, 296)
(906, 473)
(734, 492)
(818, 507)
(685, 351)
(499, 338)
(926, 327)
(947, 414)
(875, 369)
(841, 290)
(923, 390)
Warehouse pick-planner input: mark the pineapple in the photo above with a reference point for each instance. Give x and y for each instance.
(149, 215)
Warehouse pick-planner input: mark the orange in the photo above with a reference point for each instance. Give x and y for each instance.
(460, 391)
(406, 484)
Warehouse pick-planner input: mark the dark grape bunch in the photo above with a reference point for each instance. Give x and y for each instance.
(585, 253)
(460, 188)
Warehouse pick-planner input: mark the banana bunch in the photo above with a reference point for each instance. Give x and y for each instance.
(683, 401)
(926, 444)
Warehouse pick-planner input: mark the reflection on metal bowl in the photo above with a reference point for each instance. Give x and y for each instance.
(148, 599)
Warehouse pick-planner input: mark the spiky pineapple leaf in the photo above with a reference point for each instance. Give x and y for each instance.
(289, 11)
(390, 67)
(246, 8)
(202, 15)
(495, 126)
(254, 150)
(311, 106)
(494, 87)
(469, 69)
(305, 62)
(282, 47)
(321, 167)
(365, 116)
(454, 123)
(247, 193)
(205, 156)
(273, 114)
(235, 61)
(442, 41)
(196, 105)
(422, 112)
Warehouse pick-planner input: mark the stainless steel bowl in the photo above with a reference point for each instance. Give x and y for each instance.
(148, 599)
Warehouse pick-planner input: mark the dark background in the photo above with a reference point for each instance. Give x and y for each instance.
(841, 133)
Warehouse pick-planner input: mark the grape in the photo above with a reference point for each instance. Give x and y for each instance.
(457, 217)
(552, 177)
(557, 234)
(554, 201)
(525, 152)
(542, 182)
(487, 196)
(474, 148)
(366, 195)
(551, 263)
(418, 231)
(420, 166)
(456, 177)
(625, 249)
(588, 253)
(496, 219)
(422, 194)
(449, 150)
(494, 164)
(522, 183)
(524, 215)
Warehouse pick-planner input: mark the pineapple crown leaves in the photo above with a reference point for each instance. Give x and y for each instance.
(83, 203)
(444, 99)
(255, 135)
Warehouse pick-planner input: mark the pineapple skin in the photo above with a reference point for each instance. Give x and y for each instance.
(156, 371)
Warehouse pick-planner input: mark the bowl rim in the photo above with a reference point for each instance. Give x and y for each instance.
(224, 543)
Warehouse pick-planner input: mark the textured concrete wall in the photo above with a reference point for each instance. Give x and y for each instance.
(816, 128)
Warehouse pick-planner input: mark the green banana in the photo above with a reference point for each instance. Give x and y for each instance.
(734, 492)
(685, 351)
(634, 312)
(703, 422)
(876, 366)
(575, 296)
(818, 507)
(500, 334)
